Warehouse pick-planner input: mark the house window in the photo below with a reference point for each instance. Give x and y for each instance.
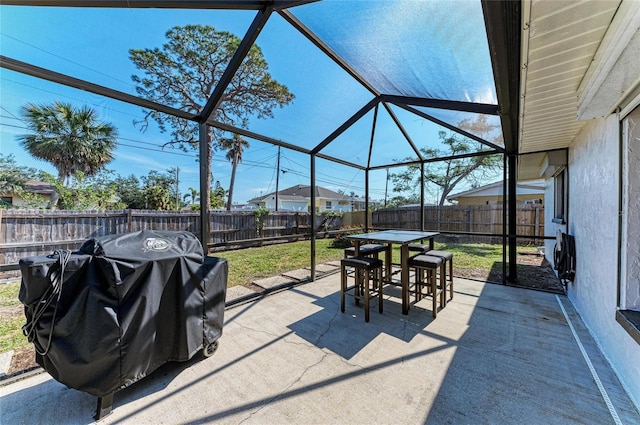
(6, 200)
(560, 196)
(628, 314)
(327, 205)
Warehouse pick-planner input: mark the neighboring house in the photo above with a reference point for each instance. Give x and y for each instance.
(531, 192)
(243, 207)
(298, 198)
(43, 192)
(580, 121)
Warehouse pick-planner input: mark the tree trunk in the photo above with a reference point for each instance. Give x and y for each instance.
(234, 166)
(207, 193)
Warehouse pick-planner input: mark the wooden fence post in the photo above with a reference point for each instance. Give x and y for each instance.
(129, 220)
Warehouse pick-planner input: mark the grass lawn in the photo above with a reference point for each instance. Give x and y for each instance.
(246, 265)
(254, 263)
(11, 318)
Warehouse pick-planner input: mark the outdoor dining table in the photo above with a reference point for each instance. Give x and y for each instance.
(390, 237)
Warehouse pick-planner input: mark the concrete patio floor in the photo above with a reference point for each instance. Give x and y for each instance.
(494, 355)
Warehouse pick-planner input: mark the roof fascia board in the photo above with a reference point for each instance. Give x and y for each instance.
(621, 31)
(250, 37)
(402, 130)
(56, 77)
(451, 127)
(524, 61)
(313, 38)
(487, 190)
(355, 117)
(476, 190)
(454, 105)
(502, 21)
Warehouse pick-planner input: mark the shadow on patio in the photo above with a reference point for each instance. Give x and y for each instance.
(495, 354)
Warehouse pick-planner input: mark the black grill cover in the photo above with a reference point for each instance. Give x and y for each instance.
(129, 303)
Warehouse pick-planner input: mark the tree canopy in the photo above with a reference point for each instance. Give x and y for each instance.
(445, 175)
(72, 140)
(82, 192)
(184, 72)
(14, 176)
(155, 191)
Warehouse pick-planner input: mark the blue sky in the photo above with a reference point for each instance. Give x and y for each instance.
(92, 44)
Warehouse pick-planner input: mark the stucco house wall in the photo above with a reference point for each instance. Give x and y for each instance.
(551, 227)
(593, 200)
(336, 205)
(285, 205)
(298, 198)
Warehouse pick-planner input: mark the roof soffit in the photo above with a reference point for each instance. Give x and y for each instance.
(615, 69)
(559, 42)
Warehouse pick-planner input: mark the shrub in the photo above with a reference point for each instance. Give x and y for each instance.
(260, 213)
(341, 240)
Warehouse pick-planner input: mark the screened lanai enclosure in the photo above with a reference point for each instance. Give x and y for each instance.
(371, 88)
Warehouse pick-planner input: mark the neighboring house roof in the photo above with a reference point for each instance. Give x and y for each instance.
(415, 205)
(42, 188)
(34, 186)
(303, 193)
(535, 187)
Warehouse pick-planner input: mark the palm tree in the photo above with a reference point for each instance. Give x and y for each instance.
(70, 139)
(193, 195)
(234, 147)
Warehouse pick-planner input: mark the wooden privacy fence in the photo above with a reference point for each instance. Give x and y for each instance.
(26, 233)
(487, 219)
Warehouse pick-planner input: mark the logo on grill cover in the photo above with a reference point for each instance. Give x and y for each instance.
(156, 244)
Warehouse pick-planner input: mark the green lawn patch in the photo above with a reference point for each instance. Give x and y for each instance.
(247, 265)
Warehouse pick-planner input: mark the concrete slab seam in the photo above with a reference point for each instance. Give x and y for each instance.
(284, 391)
(328, 328)
(603, 391)
(285, 338)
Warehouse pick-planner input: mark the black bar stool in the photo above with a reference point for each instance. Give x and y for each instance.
(371, 250)
(425, 263)
(366, 250)
(448, 258)
(418, 247)
(368, 281)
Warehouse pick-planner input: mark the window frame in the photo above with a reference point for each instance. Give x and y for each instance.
(628, 311)
(560, 196)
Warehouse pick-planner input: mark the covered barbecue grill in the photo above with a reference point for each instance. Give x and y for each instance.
(108, 315)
